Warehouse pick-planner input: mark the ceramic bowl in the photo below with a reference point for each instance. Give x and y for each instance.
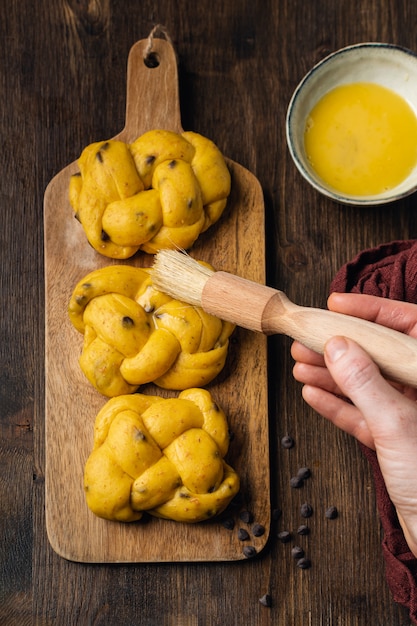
(388, 65)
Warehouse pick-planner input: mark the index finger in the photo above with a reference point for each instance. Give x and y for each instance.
(401, 316)
(300, 352)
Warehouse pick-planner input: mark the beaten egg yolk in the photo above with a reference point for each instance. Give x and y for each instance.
(361, 139)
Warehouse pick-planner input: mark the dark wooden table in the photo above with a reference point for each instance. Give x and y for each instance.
(63, 71)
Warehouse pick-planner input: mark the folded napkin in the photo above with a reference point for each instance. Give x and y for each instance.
(388, 271)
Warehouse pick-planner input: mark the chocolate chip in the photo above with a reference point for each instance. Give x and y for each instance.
(331, 512)
(266, 600)
(306, 510)
(237, 500)
(276, 514)
(258, 530)
(81, 300)
(139, 435)
(228, 523)
(246, 516)
(284, 536)
(304, 563)
(296, 482)
(242, 534)
(249, 551)
(287, 442)
(99, 153)
(303, 530)
(297, 552)
(304, 473)
(127, 322)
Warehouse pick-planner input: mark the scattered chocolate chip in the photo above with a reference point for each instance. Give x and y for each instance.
(258, 530)
(242, 534)
(284, 536)
(237, 500)
(306, 510)
(266, 600)
(127, 322)
(172, 164)
(331, 512)
(228, 523)
(304, 473)
(296, 482)
(246, 516)
(249, 551)
(297, 552)
(304, 563)
(303, 530)
(276, 514)
(287, 442)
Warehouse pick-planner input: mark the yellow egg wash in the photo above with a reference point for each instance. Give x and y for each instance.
(361, 138)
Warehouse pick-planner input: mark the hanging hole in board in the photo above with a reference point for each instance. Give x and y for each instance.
(151, 60)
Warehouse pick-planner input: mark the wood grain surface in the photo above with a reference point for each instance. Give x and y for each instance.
(63, 85)
(237, 242)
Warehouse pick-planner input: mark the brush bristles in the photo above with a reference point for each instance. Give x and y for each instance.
(180, 276)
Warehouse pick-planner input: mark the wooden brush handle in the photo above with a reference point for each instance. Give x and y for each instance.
(269, 311)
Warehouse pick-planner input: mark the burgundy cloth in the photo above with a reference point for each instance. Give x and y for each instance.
(388, 271)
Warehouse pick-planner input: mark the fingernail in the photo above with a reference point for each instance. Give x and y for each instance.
(336, 348)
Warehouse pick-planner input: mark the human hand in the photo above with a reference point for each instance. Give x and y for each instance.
(346, 387)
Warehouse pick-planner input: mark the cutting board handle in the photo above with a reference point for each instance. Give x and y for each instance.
(152, 98)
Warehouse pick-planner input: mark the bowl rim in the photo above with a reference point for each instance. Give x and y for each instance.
(376, 199)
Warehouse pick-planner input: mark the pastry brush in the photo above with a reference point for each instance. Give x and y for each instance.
(266, 310)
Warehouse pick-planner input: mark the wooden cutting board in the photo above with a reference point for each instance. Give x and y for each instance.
(235, 244)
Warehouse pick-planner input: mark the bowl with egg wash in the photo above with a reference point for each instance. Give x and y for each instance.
(351, 124)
